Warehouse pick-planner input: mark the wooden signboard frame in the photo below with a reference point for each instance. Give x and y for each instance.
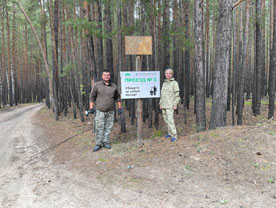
(138, 45)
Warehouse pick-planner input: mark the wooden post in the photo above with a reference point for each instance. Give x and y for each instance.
(139, 110)
(138, 45)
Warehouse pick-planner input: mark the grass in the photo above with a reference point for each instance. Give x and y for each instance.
(256, 165)
(271, 133)
(263, 102)
(158, 133)
(102, 159)
(188, 167)
(270, 181)
(223, 201)
(213, 134)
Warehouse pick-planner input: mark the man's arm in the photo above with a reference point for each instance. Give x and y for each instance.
(119, 104)
(91, 105)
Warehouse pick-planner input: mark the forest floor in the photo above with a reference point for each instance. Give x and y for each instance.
(228, 167)
(233, 166)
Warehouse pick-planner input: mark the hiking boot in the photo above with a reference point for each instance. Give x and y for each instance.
(173, 139)
(96, 148)
(168, 136)
(107, 146)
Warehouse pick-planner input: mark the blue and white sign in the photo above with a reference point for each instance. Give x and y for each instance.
(140, 84)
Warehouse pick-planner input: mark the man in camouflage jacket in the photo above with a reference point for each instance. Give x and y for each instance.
(103, 96)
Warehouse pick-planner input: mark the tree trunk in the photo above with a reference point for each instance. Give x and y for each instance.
(207, 22)
(54, 17)
(11, 99)
(108, 40)
(3, 61)
(242, 64)
(98, 39)
(119, 62)
(187, 69)
(14, 54)
(272, 68)
(258, 57)
(165, 32)
(200, 80)
(219, 102)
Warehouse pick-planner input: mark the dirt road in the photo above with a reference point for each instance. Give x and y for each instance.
(27, 181)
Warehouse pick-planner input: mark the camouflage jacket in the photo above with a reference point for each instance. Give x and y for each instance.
(169, 94)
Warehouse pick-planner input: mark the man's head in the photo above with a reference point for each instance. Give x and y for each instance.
(106, 76)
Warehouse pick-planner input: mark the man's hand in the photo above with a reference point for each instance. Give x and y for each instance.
(92, 110)
(120, 111)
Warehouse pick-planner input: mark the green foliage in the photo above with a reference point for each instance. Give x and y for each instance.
(158, 133)
(82, 89)
(256, 165)
(93, 28)
(270, 180)
(43, 74)
(271, 133)
(188, 167)
(179, 33)
(223, 201)
(67, 69)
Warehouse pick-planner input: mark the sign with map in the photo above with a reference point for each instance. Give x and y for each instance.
(140, 84)
(138, 45)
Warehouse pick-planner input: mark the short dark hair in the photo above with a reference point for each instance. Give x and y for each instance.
(106, 71)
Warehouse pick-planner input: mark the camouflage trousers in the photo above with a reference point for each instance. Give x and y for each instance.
(103, 126)
(168, 114)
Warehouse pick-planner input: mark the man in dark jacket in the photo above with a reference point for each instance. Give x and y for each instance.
(103, 96)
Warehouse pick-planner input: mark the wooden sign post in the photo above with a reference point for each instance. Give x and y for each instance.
(138, 45)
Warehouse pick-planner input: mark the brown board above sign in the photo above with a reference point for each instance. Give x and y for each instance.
(138, 45)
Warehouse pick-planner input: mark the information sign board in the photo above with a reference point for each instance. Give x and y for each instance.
(140, 84)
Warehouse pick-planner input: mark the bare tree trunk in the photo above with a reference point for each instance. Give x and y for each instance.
(242, 64)
(54, 22)
(176, 68)
(187, 67)
(108, 40)
(200, 80)
(11, 99)
(98, 40)
(120, 58)
(3, 61)
(207, 22)
(219, 102)
(165, 32)
(258, 57)
(14, 54)
(272, 69)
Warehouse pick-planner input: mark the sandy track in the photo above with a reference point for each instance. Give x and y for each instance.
(27, 181)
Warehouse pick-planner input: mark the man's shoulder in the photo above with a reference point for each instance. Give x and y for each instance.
(98, 83)
(113, 84)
